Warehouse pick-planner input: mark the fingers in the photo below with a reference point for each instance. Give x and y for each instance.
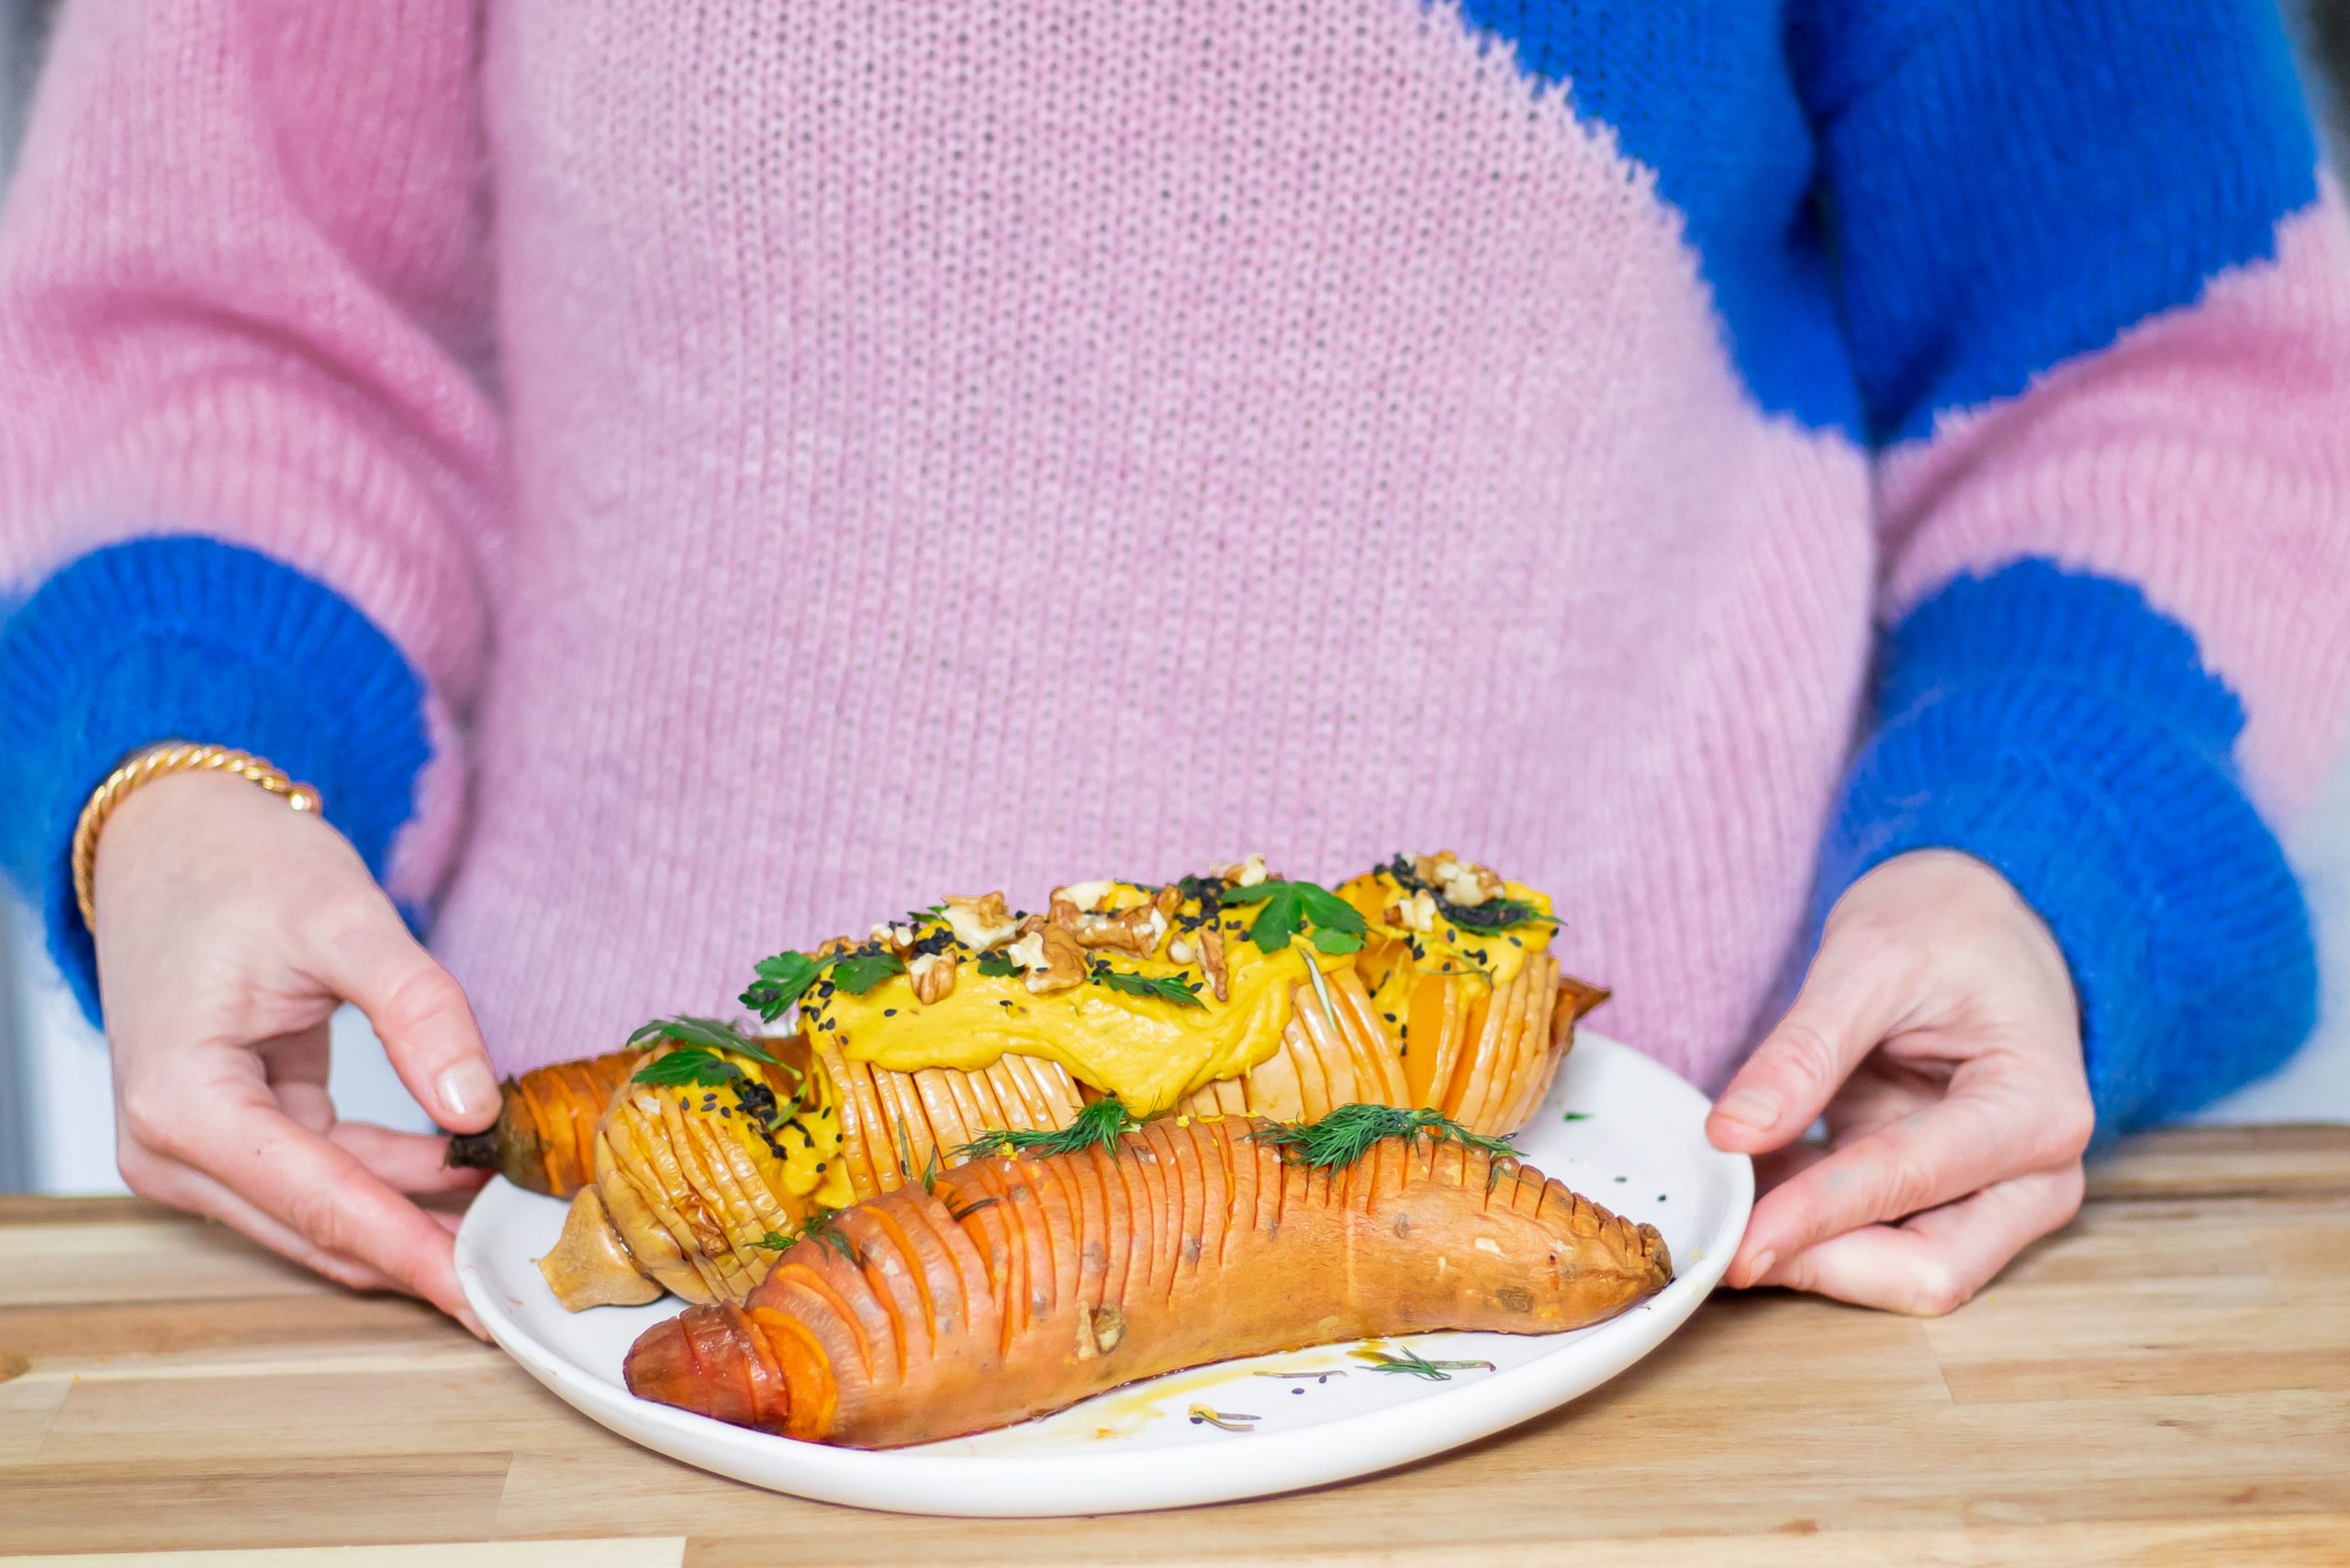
(184, 1187)
(418, 1012)
(319, 1189)
(1985, 1133)
(408, 1162)
(1935, 1261)
(1853, 998)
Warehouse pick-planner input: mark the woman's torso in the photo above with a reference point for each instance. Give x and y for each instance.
(996, 445)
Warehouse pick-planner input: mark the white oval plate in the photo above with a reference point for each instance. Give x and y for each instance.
(1638, 1147)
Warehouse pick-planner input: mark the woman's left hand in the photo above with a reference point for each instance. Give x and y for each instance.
(1938, 1033)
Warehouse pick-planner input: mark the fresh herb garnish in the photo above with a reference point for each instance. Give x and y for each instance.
(817, 1226)
(1166, 988)
(714, 1032)
(782, 980)
(1411, 1363)
(968, 1210)
(860, 972)
(1100, 1125)
(1576, 1116)
(997, 966)
(687, 1067)
(1346, 1133)
(1290, 906)
(1230, 1420)
(776, 1241)
(1495, 915)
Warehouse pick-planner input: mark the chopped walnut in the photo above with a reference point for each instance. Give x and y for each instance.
(932, 975)
(1136, 931)
(1458, 881)
(980, 924)
(1415, 911)
(897, 939)
(1086, 896)
(1211, 961)
(1051, 956)
(1182, 951)
(1242, 873)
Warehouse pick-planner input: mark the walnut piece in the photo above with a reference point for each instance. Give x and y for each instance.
(1462, 882)
(1051, 956)
(1242, 873)
(1416, 911)
(932, 975)
(897, 939)
(1211, 961)
(1086, 896)
(981, 924)
(1136, 931)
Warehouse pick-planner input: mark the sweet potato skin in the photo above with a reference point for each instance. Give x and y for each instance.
(1414, 1237)
(544, 1138)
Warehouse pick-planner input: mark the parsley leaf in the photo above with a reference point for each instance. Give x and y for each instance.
(859, 973)
(689, 1066)
(713, 1032)
(1290, 906)
(997, 966)
(782, 980)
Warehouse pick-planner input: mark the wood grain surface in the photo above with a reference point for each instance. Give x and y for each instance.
(2165, 1382)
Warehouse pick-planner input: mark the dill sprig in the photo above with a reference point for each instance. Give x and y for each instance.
(1346, 1133)
(968, 1210)
(1100, 1125)
(1411, 1363)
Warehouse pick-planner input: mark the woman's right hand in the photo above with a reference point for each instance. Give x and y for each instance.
(229, 928)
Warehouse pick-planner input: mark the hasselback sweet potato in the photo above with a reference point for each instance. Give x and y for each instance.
(544, 1138)
(1018, 1285)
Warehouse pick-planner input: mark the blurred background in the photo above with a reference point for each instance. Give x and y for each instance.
(56, 1112)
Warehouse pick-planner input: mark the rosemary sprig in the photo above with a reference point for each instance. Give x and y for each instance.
(1411, 1363)
(1230, 1420)
(1346, 1133)
(1100, 1125)
(1289, 907)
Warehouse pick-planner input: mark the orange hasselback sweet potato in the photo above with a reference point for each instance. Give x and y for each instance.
(1017, 1286)
(544, 1138)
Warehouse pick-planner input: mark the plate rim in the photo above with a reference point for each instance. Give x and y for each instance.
(904, 1480)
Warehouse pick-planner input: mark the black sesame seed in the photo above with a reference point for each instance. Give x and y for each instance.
(889, 1013)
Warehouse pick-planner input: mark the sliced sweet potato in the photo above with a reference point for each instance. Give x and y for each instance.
(1272, 1088)
(1432, 1040)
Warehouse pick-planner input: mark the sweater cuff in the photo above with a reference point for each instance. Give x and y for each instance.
(187, 637)
(2055, 726)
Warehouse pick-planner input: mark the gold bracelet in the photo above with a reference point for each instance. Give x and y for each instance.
(146, 767)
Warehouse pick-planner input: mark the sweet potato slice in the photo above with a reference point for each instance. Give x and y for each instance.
(1432, 1038)
(1272, 1088)
(881, 1145)
(947, 1125)
(1312, 1086)
(1385, 1069)
(1329, 1050)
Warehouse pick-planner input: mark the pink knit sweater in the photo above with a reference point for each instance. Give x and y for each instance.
(821, 456)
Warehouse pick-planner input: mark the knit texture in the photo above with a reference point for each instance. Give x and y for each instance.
(812, 459)
(2058, 729)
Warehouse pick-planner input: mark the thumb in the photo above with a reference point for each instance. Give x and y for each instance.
(1853, 997)
(418, 1012)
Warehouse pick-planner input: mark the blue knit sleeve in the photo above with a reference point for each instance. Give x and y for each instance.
(183, 637)
(2056, 726)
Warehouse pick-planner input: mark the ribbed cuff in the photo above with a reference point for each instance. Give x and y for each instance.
(2056, 727)
(193, 638)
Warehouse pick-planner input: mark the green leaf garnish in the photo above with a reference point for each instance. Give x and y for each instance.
(774, 1241)
(1290, 906)
(859, 973)
(968, 1210)
(1411, 1363)
(1099, 1126)
(714, 1032)
(687, 1066)
(997, 966)
(1495, 915)
(1346, 1133)
(781, 982)
(1166, 988)
(1576, 1116)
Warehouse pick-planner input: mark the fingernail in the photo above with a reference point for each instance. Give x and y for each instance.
(1761, 1266)
(468, 1090)
(1750, 1107)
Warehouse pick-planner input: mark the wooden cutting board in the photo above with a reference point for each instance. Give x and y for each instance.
(2168, 1381)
